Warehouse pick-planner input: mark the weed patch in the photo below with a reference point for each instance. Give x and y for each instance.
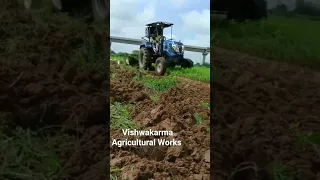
(115, 57)
(120, 117)
(197, 73)
(155, 98)
(280, 172)
(307, 140)
(114, 172)
(198, 118)
(199, 121)
(157, 84)
(160, 84)
(24, 155)
(205, 105)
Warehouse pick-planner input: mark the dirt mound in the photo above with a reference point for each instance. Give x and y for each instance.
(48, 79)
(260, 108)
(174, 110)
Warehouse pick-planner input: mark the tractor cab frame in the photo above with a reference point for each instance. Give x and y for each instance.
(154, 33)
(156, 29)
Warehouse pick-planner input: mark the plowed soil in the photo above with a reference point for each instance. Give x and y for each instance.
(43, 85)
(260, 107)
(173, 111)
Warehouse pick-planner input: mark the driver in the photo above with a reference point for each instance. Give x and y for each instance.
(157, 41)
(158, 37)
(154, 43)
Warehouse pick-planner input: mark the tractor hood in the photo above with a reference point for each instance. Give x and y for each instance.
(177, 47)
(174, 42)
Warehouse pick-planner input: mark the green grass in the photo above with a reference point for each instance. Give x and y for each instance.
(156, 84)
(113, 172)
(155, 98)
(28, 155)
(198, 118)
(120, 117)
(159, 84)
(199, 121)
(205, 105)
(280, 172)
(118, 58)
(197, 73)
(307, 140)
(290, 39)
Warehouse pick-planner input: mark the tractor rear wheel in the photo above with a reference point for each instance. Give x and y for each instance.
(144, 58)
(161, 66)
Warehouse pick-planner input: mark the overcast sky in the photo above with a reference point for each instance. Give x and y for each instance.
(191, 20)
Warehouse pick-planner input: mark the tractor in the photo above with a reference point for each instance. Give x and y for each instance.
(99, 8)
(161, 51)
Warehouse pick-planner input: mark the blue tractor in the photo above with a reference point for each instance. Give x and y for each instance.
(161, 51)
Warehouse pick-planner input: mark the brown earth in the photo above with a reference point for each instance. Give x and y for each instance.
(42, 85)
(259, 107)
(173, 111)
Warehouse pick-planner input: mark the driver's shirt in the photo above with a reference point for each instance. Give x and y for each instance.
(158, 38)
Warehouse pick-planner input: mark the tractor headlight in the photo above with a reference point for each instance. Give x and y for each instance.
(175, 48)
(178, 48)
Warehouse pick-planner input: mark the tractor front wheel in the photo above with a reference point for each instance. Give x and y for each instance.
(188, 63)
(161, 66)
(132, 61)
(144, 58)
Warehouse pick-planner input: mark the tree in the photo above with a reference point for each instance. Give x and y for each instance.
(135, 54)
(206, 64)
(122, 54)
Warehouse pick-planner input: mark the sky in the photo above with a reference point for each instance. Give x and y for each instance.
(191, 19)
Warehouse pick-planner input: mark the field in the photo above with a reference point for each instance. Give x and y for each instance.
(53, 96)
(266, 115)
(282, 38)
(197, 73)
(177, 102)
